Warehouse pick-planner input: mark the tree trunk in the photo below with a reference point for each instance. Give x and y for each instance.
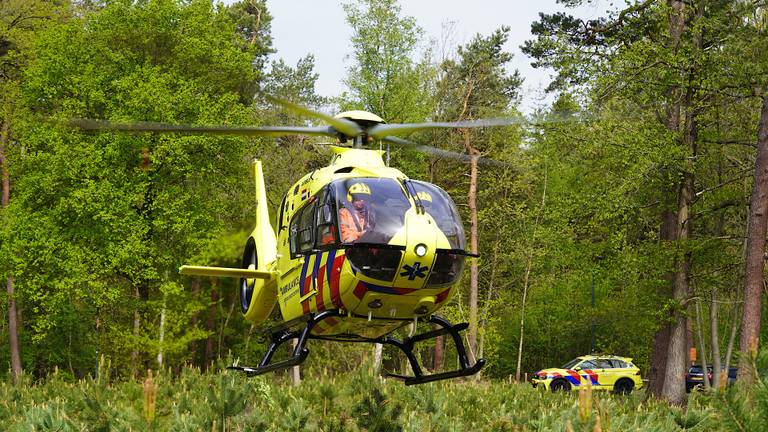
(526, 280)
(668, 232)
(224, 325)
(682, 102)
(296, 370)
(674, 379)
(13, 321)
(210, 325)
(473, 268)
(731, 342)
(755, 263)
(713, 324)
(659, 360)
(677, 352)
(377, 357)
(702, 345)
(437, 360)
(161, 337)
(192, 348)
(136, 329)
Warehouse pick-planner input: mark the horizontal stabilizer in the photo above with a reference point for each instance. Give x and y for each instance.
(226, 272)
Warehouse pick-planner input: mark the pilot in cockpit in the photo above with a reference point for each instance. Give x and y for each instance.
(355, 222)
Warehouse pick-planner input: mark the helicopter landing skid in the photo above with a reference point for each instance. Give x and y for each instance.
(284, 333)
(406, 346)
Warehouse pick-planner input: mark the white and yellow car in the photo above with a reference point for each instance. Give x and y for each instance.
(602, 372)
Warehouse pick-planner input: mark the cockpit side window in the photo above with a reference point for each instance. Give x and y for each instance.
(440, 206)
(280, 219)
(302, 230)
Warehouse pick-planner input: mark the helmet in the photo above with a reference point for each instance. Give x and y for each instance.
(358, 189)
(424, 196)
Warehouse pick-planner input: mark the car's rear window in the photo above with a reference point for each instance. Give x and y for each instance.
(619, 364)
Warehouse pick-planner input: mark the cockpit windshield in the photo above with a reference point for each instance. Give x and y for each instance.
(440, 206)
(370, 210)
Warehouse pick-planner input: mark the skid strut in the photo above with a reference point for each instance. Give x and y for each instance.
(306, 323)
(406, 346)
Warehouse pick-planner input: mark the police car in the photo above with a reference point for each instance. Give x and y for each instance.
(602, 372)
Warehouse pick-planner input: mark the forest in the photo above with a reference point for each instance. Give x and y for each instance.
(627, 217)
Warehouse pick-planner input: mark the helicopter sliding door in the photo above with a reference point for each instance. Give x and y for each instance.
(313, 227)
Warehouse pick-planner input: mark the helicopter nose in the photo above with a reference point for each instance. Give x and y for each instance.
(419, 254)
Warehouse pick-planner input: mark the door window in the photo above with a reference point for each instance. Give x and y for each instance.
(302, 230)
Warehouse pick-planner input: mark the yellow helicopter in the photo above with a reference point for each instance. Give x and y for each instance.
(360, 250)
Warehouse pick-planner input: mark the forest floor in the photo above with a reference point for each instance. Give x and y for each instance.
(194, 401)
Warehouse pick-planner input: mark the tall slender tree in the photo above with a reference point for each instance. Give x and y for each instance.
(477, 85)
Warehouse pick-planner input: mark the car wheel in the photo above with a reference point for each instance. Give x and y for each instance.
(623, 387)
(560, 385)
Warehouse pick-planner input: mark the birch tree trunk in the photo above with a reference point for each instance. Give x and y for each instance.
(528, 266)
(162, 337)
(296, 370)
(136, 328)
(702, 346)
(731, 342)
(755, 263)
(377, 355)
(713, 324)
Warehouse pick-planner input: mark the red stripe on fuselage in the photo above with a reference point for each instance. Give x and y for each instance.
(338, 263)
(442, 296)
(307, 283)
(360, 290)
(319, 297)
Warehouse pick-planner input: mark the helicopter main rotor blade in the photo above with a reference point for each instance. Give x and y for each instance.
(104, 125)
(382, 130)
(347, 127)
(462, 157)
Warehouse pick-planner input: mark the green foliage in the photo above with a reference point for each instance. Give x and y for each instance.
(384, 78)
(375, 413)
(99, 224)
(196, 401)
